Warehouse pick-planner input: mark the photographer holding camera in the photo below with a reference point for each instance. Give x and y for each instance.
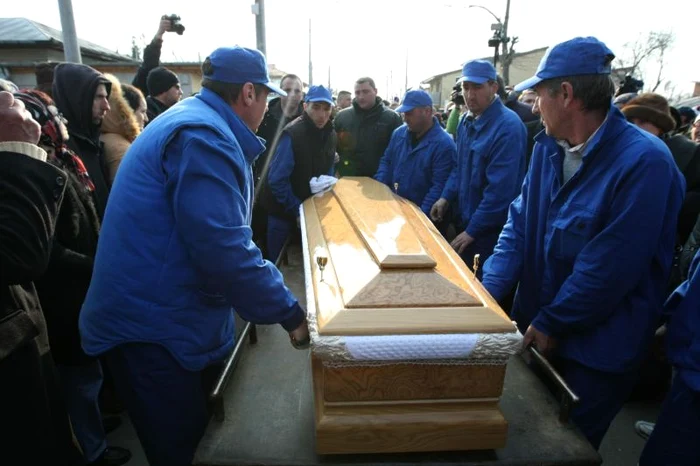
(161, 85)
(457, 99)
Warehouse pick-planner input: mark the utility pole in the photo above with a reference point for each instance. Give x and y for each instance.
(258, 10)
(405, 76)
(311, 70)
(71, 49)
(507, 58)
(501, 38)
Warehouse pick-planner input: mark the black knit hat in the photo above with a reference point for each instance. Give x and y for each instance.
(160, 80)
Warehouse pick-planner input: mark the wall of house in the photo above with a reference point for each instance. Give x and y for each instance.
(522, 67)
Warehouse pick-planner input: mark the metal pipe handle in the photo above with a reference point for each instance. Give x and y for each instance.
(568, 397)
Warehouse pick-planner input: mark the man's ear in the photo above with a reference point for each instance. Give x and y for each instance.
(567, 91)
(248, 94)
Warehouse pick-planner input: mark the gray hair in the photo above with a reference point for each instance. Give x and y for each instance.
(594, 90)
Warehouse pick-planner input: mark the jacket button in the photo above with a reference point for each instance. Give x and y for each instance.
(60, 181)
(57, 193)
(581, 226)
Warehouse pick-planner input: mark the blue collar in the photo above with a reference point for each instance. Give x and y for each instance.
(614, 123)
(491, 113)
(251, 145)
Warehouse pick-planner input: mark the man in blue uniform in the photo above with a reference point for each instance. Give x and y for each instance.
(306, 150)
(590, 238)
(491, 143)
(420, 155)
(175, 256)
(674, 439)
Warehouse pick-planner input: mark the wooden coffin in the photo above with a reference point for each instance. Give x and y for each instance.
(408, 349)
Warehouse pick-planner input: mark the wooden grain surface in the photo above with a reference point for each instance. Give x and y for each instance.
(358, 296)
(378, 219)
(405, 427)
(412, 382)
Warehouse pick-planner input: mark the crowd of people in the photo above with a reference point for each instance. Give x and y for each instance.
(133, 223)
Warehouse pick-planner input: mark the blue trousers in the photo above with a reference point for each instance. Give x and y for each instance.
(278, 230)
(602, 396)
(675, 440)
(81, 389)
(167, 404)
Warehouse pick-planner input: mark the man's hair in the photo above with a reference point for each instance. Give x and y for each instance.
(291, 76)
(595, 91)
(343, 94)
(227, 91)
(367, 80)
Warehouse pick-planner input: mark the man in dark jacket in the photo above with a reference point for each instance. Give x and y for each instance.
(162, 88)
(36, 426)
(164, 91)
(280, 112)
(81, 94)
(306, 150)
(364, 131)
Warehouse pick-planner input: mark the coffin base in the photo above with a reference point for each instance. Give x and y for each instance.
(406, 425)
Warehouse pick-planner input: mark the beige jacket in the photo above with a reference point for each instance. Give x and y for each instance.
(119, 128)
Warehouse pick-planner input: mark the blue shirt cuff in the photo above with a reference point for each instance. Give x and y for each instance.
(297, 318)
(544, 324)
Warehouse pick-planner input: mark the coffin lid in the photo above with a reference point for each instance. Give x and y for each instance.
(387, 269)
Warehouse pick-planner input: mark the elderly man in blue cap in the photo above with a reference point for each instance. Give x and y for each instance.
(491, 144)
(306, 150)
(175, 257)
(590, 239)
(420, 155)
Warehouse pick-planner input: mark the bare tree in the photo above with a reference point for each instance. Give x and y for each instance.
(648, 50)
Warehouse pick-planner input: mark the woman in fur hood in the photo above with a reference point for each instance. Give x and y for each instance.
(119, 128)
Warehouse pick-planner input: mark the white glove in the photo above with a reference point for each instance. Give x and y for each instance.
(322, 183)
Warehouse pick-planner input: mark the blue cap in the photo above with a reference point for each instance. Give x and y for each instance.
(575, 57)
(478, 71)
(413, 99)
(240, 65)
(319, 94)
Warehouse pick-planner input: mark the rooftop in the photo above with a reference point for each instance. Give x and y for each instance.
(25, 32)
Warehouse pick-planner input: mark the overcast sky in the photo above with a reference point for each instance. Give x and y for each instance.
(372, 37)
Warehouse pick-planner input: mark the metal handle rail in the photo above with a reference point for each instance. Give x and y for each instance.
(568, 398)
(216, 397)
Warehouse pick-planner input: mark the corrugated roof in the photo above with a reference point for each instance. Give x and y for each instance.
(23, 31)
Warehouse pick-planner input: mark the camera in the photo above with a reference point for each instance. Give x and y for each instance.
(630, 85)
(175, 24)
(456, 95)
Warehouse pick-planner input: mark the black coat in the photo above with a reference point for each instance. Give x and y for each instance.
(37, 430)
(63, 287)
(151, 59)
(30, 193)
(74, 88)
(363, 136)
(271, 127)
